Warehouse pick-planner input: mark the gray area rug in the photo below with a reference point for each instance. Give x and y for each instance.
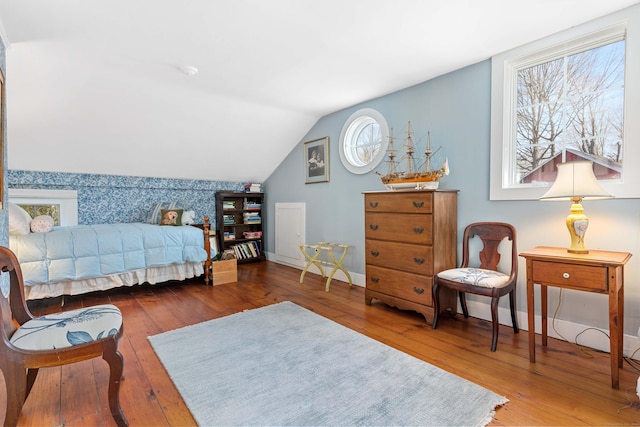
(285, 365)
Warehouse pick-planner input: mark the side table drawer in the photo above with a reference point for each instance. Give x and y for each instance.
(409, 286)
(570, 275)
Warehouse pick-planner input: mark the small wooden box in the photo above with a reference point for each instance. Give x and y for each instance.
(224, 271)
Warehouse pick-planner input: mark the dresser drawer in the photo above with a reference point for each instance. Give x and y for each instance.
(412, 287)
(399, 202)
(570, 275)
(400, 256)
(409, 228)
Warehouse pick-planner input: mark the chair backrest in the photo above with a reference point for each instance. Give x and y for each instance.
(13, 307)
(491, 234)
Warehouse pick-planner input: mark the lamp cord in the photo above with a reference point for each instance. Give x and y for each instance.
(584, 350)
(635, 364)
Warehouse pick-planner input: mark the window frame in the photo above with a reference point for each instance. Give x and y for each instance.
(344, 134)
(503, 87)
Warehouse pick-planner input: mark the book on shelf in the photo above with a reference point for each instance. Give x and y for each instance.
(228, 254)
(252, 234)
(251, 206)
(228, 204)
(253, 188)
(247, 250)
(252, 220)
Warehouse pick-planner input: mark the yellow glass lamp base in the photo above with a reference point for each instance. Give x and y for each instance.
(577, 223)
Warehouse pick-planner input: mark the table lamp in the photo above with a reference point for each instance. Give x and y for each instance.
(575, 182)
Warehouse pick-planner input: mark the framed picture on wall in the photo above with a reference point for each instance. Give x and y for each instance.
(316, 160)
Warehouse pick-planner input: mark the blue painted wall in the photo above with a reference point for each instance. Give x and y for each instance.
(456, 109)
(453, 108)
(106, 199)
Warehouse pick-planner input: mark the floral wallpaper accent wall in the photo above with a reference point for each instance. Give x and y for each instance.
(106, 199)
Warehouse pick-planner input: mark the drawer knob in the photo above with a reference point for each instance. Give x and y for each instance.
(418, 291)
(373, 204)
(418, 260)
(373, 226)
(375, 253)
(566, 275)
(375, 279)
(418, 204)
(418, 230)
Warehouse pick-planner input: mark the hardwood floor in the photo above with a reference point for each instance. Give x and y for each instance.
(563, 387)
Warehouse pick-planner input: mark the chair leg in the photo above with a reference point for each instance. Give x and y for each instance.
(31, 378)
(15, 379)
(435, 295)
(463, 303)
(116, 364)
(512, 304)
(494, 322)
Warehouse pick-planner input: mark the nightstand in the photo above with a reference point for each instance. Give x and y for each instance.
(597, 271)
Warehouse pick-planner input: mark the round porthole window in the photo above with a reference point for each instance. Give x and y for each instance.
(363, 141)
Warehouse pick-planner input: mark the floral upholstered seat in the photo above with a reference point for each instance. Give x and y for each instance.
(476, 277)
(69, 328)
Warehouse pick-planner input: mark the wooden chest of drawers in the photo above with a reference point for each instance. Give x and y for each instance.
(409, 236)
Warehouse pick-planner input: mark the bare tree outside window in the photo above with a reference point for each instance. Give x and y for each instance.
(368, 142)
(37, 210)
(574, 102)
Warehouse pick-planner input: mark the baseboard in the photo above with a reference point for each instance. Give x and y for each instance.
(356, 278)
(589, 336)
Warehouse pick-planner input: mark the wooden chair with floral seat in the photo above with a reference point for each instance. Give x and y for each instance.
(486, 279)
(28, 343)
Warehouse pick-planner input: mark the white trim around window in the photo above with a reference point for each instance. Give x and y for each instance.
(501, 104)
(348, 140)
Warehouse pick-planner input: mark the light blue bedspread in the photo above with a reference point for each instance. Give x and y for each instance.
(89, 251)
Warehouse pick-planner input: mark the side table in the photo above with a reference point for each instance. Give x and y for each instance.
(597, 271)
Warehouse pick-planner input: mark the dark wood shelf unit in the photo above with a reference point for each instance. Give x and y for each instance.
(239, 224)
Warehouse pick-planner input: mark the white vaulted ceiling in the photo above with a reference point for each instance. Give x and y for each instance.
(95, 86)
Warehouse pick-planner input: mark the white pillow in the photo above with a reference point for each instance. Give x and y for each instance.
(19, 220)
(42, 224)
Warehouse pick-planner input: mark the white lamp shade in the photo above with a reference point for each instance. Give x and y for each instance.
(576, 179)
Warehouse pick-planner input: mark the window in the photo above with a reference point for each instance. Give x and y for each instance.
(565, 98)
(363, 141)
(36, 210)
(62, 205)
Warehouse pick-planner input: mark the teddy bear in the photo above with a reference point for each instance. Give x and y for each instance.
(188, 217)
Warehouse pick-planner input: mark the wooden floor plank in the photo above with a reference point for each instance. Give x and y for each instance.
(563, 387)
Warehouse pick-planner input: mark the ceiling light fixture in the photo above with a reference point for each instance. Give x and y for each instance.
(189, 70)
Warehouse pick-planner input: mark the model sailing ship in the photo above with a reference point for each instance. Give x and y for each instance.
(419, 178)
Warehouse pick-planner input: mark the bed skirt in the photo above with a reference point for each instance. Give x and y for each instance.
(150, 275)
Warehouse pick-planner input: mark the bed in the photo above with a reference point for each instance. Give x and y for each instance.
(71, 260)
